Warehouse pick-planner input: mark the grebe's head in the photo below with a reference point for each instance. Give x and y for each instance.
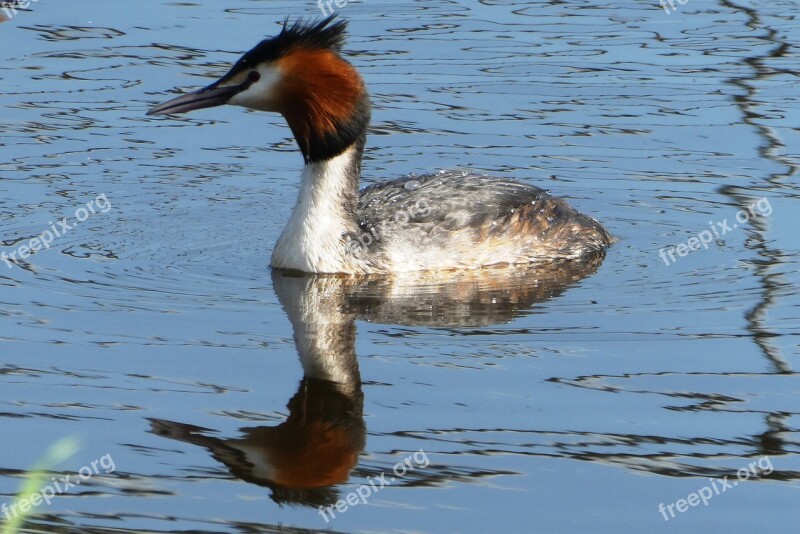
(300, 74)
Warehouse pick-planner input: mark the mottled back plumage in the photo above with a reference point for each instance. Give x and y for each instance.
(461, 220)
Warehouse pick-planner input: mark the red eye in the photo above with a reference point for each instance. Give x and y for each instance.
(253, 76)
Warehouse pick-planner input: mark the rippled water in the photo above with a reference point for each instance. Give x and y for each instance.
(568, 400)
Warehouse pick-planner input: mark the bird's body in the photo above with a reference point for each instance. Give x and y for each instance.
(462, 220)
(443, 221)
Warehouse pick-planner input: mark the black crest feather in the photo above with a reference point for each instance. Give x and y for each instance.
(323, 35)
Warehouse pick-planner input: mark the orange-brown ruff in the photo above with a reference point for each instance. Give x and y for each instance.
(318, 93)
(442, 221)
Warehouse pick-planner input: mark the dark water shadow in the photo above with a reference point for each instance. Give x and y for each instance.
(773, 149)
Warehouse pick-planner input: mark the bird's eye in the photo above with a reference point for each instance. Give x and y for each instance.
(253, 76)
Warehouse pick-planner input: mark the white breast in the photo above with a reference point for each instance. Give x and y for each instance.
(312, 240)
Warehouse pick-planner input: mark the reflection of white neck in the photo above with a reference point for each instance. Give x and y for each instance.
(313, 239)
(322, 357)
(324, 333)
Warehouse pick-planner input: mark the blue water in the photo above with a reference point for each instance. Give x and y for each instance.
(571, 400)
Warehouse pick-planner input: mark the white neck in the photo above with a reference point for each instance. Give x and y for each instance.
(313, 240)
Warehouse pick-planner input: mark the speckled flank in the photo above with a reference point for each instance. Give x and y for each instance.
(457, 220)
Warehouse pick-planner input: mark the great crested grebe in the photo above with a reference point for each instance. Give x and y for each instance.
(443, 221)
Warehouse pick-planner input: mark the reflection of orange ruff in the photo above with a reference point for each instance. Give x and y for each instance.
(311, 455)
(313, 450)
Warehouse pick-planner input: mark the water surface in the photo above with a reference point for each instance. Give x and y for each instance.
(558, 401)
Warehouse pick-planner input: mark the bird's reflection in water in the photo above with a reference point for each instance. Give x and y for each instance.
(302, 459)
